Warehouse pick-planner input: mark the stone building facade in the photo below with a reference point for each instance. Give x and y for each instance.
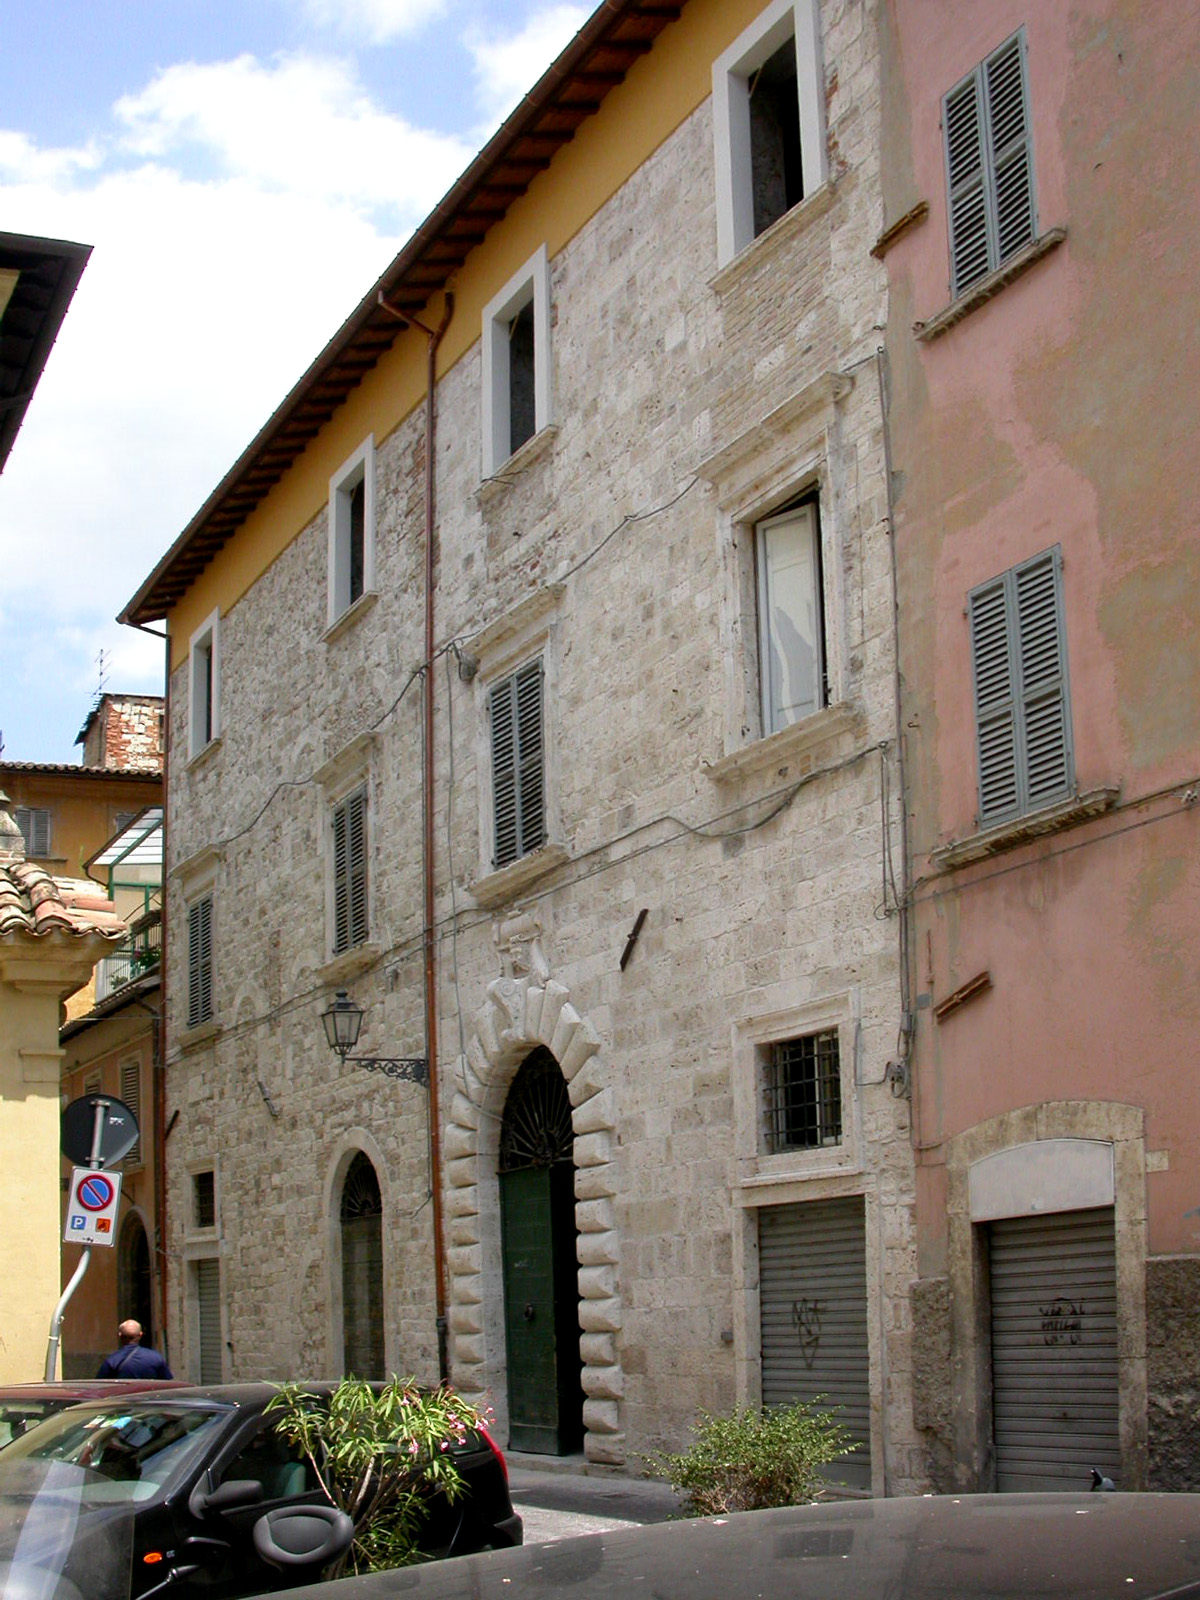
(664, 931)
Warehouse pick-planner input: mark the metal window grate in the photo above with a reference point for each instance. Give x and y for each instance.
(804, 1093)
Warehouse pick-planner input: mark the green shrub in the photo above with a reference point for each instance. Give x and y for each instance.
(380, 1455)
(753, 1459)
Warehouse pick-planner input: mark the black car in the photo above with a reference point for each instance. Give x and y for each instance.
(949, 1547)
(185, 1491)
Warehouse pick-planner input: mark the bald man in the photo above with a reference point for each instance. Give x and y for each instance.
(129, 1360)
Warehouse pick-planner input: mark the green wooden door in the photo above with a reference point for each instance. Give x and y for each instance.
(541, 1283)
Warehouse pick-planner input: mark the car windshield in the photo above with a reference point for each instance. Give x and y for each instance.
(18, 1416)
(121, 1453)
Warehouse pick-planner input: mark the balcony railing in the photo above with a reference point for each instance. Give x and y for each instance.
(139, 955)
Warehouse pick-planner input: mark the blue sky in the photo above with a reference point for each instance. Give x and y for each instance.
(243, 171)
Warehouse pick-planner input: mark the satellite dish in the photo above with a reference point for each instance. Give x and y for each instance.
(118, 1134)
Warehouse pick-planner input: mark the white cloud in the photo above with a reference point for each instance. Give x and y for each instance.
(21, 161)
(303, 125)
(375, 21)
(237, 216)
(508, 65)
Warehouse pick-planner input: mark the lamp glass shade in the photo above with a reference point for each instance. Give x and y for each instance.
(342, 1023)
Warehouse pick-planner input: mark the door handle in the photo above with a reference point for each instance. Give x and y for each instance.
(529, 1313)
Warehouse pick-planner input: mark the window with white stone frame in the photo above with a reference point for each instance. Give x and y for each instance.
(796, 1111)
(768, 122)
(204, 686)
(352, 530)
(791, 617)
(516, 363)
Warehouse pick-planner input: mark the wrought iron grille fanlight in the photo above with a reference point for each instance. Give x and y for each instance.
(360, 1192)
(536, 1131)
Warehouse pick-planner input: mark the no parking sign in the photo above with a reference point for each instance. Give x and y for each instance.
(92, 1207)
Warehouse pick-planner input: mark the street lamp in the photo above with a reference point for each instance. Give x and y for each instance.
(342, 1023)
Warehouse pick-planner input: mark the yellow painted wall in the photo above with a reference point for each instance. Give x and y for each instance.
(34, 975)
(659, 93)
(84, 811)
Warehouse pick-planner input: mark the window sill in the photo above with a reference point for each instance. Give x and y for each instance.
(192, 1038)
(493, 487)
(349, 964)
(779, 751)
(774, 1178)
(350, 616)
(1019, 830)
(777, 238)
(983, 291)
(498, 887)
(209, 753)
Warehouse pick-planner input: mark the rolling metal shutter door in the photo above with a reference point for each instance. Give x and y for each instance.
(208, 1296)
(1054, 1350)
(813, 1287)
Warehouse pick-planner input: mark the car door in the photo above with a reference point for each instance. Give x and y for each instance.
(258, 1455)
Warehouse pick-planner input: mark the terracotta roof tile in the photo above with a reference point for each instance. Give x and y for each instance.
(33, 903)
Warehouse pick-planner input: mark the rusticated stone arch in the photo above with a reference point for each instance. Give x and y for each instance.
(521, 1013)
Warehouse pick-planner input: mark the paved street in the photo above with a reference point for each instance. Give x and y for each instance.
(562, 1502)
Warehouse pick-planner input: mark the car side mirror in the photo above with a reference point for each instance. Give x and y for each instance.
(228, 1496)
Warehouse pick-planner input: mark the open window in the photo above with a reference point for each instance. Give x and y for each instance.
(352, 530)
(768, 123)
(516, 363)
(791, 617)
(204, 686)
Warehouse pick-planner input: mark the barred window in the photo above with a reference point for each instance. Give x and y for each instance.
(804, 1093)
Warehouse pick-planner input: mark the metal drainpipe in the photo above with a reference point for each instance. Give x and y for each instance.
(159, 1063)
(433, 338)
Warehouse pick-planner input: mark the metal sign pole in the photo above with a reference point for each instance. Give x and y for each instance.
(56, 1321)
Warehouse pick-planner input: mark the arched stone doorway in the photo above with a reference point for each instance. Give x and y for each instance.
(134, 1297)
(361, 1214)
(541, 1289)
(526, 1009)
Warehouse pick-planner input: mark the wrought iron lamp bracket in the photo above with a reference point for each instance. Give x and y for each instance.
(410, 1069)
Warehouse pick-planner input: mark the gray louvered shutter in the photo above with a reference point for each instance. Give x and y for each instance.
(350, 872)
(199, 962)
(1047, 767)
(1022, 722)
(34, 823)
(989, 165)
(1009, 151)
(518, 769)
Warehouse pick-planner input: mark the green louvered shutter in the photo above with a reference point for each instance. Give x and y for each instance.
(1022, 718)
(989, 165)
(350, 872)
(200, 1008)
(518, 770)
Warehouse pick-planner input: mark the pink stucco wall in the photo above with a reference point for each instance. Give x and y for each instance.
(1061, 412)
